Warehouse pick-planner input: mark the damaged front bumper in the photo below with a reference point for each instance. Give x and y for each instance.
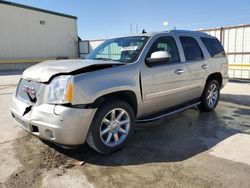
(55, 123)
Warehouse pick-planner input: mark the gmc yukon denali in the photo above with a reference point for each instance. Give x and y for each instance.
(125, 80)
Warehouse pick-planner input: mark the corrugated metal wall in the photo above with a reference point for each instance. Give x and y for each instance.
(88, 46)
(22, 36)
(236, 41)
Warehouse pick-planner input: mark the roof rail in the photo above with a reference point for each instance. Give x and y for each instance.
(187, 32)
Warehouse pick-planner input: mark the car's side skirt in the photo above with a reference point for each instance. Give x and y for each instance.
(168, 112)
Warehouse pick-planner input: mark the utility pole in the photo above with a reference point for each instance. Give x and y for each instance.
(137, 29)
(131, 29)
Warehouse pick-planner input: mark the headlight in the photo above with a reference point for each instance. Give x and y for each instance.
(61, 90)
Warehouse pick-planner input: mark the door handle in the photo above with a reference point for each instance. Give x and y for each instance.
(205, 66)
(179, 71)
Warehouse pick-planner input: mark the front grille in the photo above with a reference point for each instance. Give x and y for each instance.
(28, 90)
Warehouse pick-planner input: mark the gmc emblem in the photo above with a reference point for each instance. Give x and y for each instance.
(29, 90)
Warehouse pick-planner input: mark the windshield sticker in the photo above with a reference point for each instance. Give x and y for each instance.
(129, 48)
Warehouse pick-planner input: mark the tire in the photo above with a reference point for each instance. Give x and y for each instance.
(107, 134)
(209, 101)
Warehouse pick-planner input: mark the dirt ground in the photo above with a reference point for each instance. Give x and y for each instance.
(190, 149)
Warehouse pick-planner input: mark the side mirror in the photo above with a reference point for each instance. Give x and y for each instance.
(158, 57)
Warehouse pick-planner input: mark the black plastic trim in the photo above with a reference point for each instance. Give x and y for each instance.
(169, 111)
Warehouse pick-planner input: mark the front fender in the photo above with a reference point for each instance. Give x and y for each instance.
(92, 85)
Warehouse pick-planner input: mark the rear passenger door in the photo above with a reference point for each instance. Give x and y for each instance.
(196, 64)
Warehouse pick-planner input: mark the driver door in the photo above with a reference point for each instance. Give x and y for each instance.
(164, 83)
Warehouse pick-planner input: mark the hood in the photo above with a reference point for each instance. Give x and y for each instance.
(42, 72)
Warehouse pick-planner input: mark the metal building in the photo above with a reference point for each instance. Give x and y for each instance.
(29, 35)
(87, 46)
(236, 41)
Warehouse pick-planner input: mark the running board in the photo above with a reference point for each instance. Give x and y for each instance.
(167, 113)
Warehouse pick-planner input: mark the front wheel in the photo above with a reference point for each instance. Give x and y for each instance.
(112, 126)
(210, 96)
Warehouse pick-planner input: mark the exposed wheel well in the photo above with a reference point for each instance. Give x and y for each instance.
(215, 76)
(127, 96)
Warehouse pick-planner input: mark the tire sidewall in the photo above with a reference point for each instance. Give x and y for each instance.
(94, 139)
(204, 102)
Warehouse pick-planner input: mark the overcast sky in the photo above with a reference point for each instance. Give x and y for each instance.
(108, 18)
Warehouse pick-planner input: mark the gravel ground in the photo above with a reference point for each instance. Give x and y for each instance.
(190, 149)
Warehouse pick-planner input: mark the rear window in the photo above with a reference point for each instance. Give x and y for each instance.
(214, 47)
(191, 49)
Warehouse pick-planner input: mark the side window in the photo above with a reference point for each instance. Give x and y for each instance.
(214, 47)
(167, 44)
(192, 50)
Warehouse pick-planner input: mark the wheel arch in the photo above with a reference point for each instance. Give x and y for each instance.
(215, 76)
(125, 95)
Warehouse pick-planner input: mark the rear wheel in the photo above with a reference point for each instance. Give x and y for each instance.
(112, 127)
(210, 96)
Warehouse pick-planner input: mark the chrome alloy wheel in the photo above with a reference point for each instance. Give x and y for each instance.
(115, 127)
(212, 95)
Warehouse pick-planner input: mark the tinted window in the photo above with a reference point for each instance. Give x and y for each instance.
(166, 44)
(192, 50)
(214, 47)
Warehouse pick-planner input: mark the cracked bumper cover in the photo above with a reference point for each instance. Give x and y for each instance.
(69, 126)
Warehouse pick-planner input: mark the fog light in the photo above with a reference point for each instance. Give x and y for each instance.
(49, 134)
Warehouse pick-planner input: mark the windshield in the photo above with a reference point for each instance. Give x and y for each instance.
(125, 49)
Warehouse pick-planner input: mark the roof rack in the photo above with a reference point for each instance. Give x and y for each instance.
(187, 32)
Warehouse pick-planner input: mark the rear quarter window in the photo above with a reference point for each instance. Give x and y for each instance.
(214, 47)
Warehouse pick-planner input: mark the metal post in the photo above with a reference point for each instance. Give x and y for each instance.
(222, 35)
